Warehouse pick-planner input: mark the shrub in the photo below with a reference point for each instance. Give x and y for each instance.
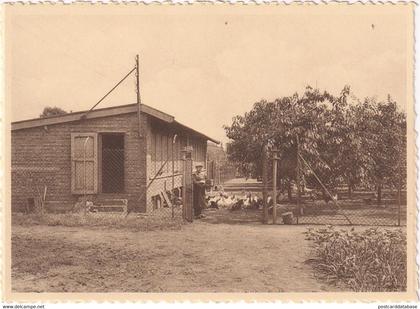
(368, 260)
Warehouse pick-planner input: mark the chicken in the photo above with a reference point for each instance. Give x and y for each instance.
(311, 193)
(212, 202)
(334, 198)
(230, 201)
(221, 203)
(234, 202)
(256, 202)
(237, 205)
(247, 202)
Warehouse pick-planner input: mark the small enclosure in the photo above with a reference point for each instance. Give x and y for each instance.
(299, 204)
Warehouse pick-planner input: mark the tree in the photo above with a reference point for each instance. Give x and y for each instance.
(248, 134)
(52, 111)
(383, 132)
(340, 145)
(279, 124)
(342, 141)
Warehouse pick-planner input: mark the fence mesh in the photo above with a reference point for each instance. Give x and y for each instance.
(359, 207)
(113, 171)
(220, 172)
(164, 192)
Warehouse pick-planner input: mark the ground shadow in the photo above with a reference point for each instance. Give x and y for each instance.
(225, 216)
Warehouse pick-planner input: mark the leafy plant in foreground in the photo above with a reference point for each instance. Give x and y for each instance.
(373, 259)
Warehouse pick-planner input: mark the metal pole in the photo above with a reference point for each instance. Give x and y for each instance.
(274, 186)
(265, 185)
(138, 94)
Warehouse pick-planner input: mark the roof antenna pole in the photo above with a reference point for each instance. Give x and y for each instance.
(138, 94)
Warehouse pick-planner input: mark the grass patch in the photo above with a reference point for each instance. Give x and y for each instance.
(134, 222)
(369, 260)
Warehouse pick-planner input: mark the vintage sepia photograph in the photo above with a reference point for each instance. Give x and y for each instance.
(238, 149)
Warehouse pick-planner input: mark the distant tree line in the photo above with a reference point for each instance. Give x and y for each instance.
(345, 140)
(52, 111)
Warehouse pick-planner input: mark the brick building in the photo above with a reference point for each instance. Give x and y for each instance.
(108, 153)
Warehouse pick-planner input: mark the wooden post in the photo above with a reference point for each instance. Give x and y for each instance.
(84, 177)
(173, 173)
(399, 194)
(138, 94)
(218, 173)
(275, 158)
(298, 204)
(187, 188)
(265, 184)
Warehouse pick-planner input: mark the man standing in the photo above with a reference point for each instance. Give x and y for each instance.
(199, 190)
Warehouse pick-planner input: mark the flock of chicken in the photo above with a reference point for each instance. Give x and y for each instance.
(249, 200)
(234, 202)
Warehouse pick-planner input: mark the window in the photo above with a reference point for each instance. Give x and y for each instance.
(84, 163)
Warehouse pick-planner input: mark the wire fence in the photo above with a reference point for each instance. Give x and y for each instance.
(100, 183)
(361, 209)
(164, 192)
(220, 172)
(344, 207)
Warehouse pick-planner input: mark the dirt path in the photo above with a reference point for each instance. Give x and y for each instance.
(202, 257)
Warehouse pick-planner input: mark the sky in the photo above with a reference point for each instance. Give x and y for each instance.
(202, 64)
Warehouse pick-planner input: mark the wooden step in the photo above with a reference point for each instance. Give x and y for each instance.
(110, 205)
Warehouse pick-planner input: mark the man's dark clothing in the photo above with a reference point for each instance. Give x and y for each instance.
(199, 191)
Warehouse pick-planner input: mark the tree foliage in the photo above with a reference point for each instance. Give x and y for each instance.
(52, 111)
(344, 140)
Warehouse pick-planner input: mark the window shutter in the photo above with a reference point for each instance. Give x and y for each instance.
(84, 163)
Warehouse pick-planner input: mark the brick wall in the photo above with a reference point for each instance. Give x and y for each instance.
(43, 157)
